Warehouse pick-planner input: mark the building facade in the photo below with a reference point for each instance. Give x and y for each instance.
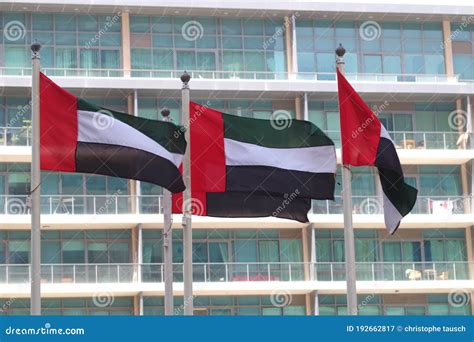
(102, 236)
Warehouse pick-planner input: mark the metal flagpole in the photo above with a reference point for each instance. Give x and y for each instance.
(187, 205)
(35, 184)
(349, 248)
(167, 240)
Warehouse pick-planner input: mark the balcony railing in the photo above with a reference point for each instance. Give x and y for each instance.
(394, 271)
(442, 206)
(83, 204)
(415, 140)
(15, 136)
(380, 77)
(220, 74)
(236, 272)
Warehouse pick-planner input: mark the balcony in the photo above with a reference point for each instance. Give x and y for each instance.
(373, 205)
(415, 140)
(394, 271)
(19, 136)
(15, 136)
(83, 204)
(222, 75)
(237, 272)
(438, 206)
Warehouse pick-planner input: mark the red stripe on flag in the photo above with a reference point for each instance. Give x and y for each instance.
(208, 171)
(360, 127)
(58, 127)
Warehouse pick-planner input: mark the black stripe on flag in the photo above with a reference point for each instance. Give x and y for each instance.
(400, 194)
(267, 179)
(237, 204)
(126, 162)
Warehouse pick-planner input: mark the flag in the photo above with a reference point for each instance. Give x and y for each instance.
(77, 136)
(244, 167)
(365, 142)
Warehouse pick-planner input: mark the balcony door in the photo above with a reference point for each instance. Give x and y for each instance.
(402, 260)
(218, 257)
(373, 64)
(2, 193)
(204, 62)
(400, 127)
(210, 259)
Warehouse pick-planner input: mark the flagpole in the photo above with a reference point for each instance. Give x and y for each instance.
(349, 249)
(167, 240)
(35, 306)
(187, 198)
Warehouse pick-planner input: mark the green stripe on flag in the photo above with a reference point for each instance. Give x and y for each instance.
(167, 134)
(270, 133)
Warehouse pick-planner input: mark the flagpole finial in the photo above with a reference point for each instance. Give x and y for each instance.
(185, 77)
(165, 112)
(340, 51)
(35, 48)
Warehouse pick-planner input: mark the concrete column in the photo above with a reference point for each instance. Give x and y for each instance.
(470, 259)
(134, 239)
(288, 44)
(136, 306)
(126, 61)
(448, 48)
(316, 303)
(312, 247)
(469, 122)
(462, 120)
(307, 298)
(469, 254)
(299, 108)
(132, 184)
(471, 192)
(294, 58)
(139, 251)
(305, 107)
(306, 256)
(130, 104)
(465, 188)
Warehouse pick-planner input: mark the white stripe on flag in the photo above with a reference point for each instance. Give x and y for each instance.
(391, 215)
(108, 130)
(317, 159)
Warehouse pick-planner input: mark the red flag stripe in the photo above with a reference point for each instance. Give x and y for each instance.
(58, 127)
(208, 168)
(360, 127)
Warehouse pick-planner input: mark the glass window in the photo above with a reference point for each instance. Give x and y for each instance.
(73, 251)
